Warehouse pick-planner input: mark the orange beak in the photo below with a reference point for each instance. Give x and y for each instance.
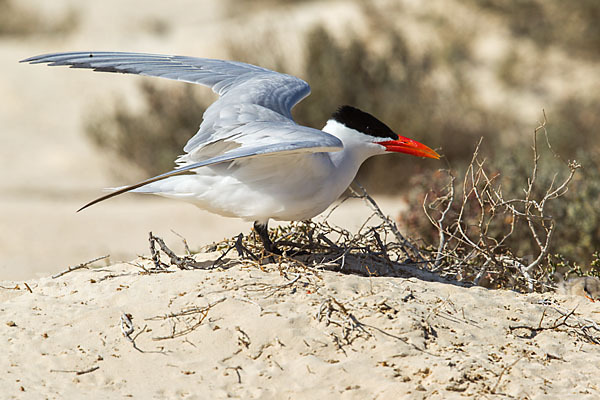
(409, 146)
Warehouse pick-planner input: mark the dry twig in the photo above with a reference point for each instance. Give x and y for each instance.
(127, 329)
(504, 370)
(185, 262)
(191, 317)
(470, 245)
(584, 328)
(351, 327)
(391, 225)
(80, 266)
(77, 372)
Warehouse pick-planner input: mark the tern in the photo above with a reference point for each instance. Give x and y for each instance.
(249, 159)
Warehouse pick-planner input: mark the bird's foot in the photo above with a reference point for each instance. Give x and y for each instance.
(271, 250)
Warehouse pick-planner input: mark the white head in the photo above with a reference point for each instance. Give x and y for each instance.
(356, 128)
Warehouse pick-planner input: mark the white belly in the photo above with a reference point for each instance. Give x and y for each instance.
(289, 188)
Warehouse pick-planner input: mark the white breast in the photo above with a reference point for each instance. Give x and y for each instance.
(287, 188)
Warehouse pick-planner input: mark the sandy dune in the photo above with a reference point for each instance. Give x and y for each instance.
(270, 333)
(276, 333)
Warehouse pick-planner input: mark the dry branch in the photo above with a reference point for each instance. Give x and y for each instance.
(312, 246)
(185, 262)
(391, 225)
(77, 372)
(191, 317)
(85, 265)
(127, 329)
(584, 328)
(347, 322)
(476, 223)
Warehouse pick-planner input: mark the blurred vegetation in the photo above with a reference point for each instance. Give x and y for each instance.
(579, 235)
(571, 25)
(569, 269)
(152, 137)
(157, 26)
(16, 20)
(392, 86)
(401, 85)
(398, 87)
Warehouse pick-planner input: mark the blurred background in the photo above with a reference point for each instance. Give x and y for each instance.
(444, 72)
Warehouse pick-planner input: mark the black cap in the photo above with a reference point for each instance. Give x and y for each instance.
(363, 122)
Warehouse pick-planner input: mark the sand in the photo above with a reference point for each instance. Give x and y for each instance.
(257, 333)
(273, 333)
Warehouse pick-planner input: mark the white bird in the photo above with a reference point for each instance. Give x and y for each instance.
(249, 159)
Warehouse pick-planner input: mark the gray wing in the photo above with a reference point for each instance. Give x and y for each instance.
(251, 118)
(273, 90)
(272, 95)
(311, 142)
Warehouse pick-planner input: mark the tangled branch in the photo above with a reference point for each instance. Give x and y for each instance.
(475, 225)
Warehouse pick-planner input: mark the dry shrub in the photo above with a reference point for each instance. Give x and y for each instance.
(493, 230)
(377, 249)
(577, 214)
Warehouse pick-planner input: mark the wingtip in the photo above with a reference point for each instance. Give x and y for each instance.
(105, 197)
(34, 59)
(42, 58)
(91, 203)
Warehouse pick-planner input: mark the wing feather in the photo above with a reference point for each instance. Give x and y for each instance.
(220, 75)
(251, 118)
(290, 147)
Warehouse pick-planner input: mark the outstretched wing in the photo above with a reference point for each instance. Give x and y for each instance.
(311, 141)
(251, 118)
(276, 91)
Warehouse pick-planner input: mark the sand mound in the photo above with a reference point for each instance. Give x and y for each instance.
(277, 332)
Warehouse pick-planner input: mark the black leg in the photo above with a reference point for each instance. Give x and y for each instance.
(263, 233)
